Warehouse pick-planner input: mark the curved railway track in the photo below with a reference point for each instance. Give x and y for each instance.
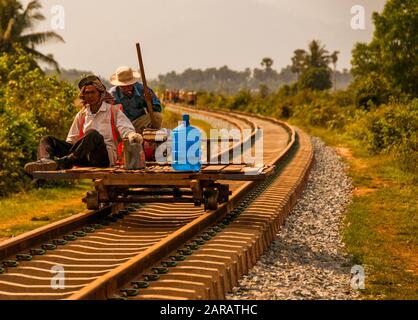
(164, 251)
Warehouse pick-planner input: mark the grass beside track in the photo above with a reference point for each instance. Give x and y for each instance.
(36, 208)
(381, 226)
(171, 121)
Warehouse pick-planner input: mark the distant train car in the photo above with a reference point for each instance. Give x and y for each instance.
(191, 98)
(172, 96)
(181, 96)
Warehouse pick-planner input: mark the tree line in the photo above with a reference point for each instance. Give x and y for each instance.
(227, 81)
(379, 109)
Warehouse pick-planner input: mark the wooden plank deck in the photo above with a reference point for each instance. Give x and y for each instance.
(155, 174)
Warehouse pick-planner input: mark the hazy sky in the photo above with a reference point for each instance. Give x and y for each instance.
(100, 35)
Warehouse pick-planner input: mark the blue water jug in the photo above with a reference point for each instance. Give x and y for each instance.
(186, 147)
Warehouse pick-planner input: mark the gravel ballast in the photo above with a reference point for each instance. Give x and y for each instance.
(307, 260)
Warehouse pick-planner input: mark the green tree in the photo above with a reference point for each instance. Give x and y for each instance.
(263, 91)
(16, 23)
(334, 59)
(393, 51)
(25, 90)
(316, 79)
(31, 105)
(267, 63)
(18, 144)
(298, 61)
(370, 90)
(313, 67)
(364, 60)
(317, 56)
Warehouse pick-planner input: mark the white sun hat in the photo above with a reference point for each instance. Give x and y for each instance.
(125, 76)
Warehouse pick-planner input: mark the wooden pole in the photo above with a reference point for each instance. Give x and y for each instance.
(147, 95)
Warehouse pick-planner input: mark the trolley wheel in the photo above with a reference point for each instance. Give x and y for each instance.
(223, 193)
(177, 193)
(211, 200)
(92, 200)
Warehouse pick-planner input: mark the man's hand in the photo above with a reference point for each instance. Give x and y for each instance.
(148, 95)
(134, 137)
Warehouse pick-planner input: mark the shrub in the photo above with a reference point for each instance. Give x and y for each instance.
(343, 98)
(28, 90)
(241, 100)
(371, 90)
(31, 105)
(208, 99)
(316, 79)
(18, 143)
(322, 114)
(392, 128)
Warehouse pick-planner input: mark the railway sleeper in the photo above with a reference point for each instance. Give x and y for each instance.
(217, 281)
(201, 283)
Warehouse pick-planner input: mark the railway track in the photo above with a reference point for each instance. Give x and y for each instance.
(163, 251)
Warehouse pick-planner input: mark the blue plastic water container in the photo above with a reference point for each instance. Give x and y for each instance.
(186, 147)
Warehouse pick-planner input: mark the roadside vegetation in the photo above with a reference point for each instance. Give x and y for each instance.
(373, 125)
(31, 104)
(34, 103)
(35, 208)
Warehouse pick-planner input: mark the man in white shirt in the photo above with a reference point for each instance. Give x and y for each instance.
(94, 137)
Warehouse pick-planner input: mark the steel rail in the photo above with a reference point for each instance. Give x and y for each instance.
(105, 286)
(47, 233)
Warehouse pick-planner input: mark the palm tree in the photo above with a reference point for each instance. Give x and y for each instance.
(15, 22)
(334, 58)
(267, 63)
(318, 56)
(312, 66)
(299, 61)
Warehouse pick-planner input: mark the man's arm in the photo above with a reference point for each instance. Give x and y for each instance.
(156, 104)
(124, 125)
(74, 133)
